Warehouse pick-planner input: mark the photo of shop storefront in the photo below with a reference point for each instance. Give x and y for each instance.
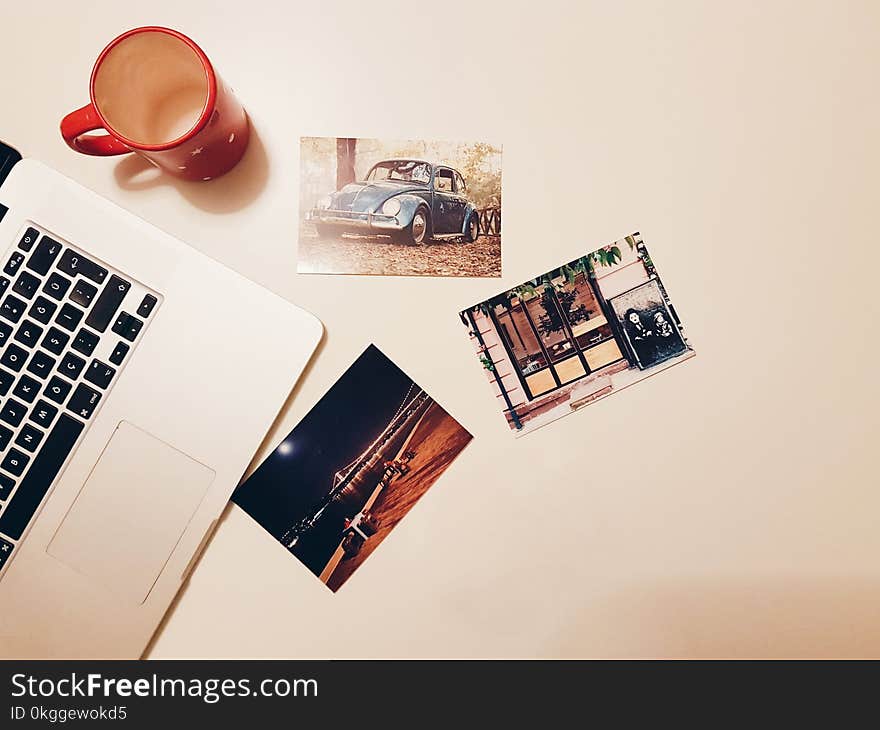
(576, 333)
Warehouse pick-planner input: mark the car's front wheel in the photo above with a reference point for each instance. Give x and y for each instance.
(472, 229)
(417, 232)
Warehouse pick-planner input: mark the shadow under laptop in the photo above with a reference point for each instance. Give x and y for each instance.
(231, 192)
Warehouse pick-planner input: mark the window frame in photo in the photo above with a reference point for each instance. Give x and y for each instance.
(579, 352)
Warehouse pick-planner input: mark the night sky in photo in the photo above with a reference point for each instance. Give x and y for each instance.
(299, 473)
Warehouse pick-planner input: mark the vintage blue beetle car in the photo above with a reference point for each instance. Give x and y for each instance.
(412, 201)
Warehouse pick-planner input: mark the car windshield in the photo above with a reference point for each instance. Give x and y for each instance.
(406, 170)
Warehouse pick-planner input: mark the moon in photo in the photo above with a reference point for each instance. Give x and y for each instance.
(285, 448)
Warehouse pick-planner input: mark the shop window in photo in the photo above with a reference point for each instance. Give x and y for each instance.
(525, 347)
(576, 333)
(556, 333)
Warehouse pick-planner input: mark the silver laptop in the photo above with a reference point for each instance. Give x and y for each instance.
(137, 380)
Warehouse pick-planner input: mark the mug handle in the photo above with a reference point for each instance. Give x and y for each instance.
(74, 127)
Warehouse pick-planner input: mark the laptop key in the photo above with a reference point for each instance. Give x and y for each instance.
(43, 413)
(14, 357)
(100, 374)
(85, 342)
(119, 353)
(14, 263)
(42, 309)
(5, 437)
(12, 308)
(13, 411)
(83, 293)
(15, 462)
(107, 303)
(29, 438)
(29, 333)
(71, 366)
(127, 326)
(27, 388)
(7, 484)
(5, 333)
(5, 551)
(147, 305)
(83, 401)
(74, 263)
(4, 284)
(6, 381)
(45, 467)
(41, 364)
(26, 284)
(56, 286)
(55, 340)
(69, 317)
(57, 389)
(27, 240)
(44, 254)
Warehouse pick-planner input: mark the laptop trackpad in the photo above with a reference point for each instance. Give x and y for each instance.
(131, 512)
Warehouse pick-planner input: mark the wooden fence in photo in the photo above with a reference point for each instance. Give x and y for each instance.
(490, 221)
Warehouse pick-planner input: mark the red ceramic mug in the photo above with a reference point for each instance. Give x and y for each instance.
(156, 93)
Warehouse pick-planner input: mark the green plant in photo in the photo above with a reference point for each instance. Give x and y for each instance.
(606, 256)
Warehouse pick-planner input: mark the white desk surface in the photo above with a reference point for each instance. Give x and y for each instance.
(727, 507)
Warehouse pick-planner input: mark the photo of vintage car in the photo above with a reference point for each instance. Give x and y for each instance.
(373, 206)
(410, 200)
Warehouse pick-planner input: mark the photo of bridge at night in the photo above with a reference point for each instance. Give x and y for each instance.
(353, 467)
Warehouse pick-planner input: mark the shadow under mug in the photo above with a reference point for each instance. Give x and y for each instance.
(156, 93)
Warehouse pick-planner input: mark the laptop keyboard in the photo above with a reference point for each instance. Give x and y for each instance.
(68, 324)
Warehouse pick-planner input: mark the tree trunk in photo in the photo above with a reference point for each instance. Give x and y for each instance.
(345, 157)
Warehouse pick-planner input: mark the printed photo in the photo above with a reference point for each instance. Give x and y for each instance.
(353, 467)
(576, 333)
(399, 207)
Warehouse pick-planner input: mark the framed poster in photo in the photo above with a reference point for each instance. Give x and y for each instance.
(648, 325)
